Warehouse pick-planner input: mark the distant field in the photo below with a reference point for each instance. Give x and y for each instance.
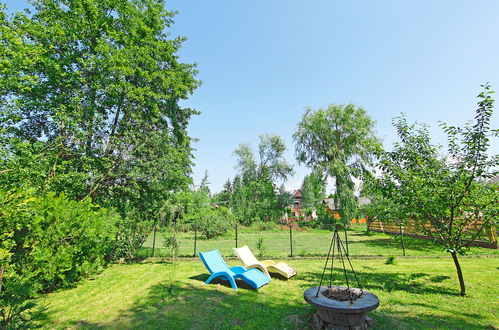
(306, 243)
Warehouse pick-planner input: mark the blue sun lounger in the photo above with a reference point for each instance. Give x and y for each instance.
(218, 268)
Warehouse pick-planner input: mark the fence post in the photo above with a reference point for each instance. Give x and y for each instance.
(236, 234)
(291, 239)
(401, 229)
(195, 238)
(154, 240)
(2, 268)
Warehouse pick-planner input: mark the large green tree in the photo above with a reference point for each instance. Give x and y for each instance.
(338, 140)
(89, 104)
(254, 191)
(449, 196)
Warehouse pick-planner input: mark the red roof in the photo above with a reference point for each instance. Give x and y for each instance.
(298, 193)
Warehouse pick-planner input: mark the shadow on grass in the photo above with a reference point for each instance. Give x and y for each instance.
(208, 307)
(192, 305)
(240, 283)
(411, 244)
(391, 319)
(416, 283)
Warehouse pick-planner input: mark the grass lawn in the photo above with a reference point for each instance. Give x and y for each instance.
(307, 243)
(414, 294)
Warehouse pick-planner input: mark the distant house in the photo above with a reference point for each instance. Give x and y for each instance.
(332, 210)
(296, 210)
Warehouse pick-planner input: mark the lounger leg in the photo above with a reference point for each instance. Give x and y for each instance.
(211, 278)
(233, 283)
(231, 280)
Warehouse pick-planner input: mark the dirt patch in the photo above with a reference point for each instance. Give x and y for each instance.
(237, 322)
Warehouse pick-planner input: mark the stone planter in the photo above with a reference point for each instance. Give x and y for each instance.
(343, 315)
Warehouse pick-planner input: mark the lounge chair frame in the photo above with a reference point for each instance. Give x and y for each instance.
(267, 266)
(217, 267)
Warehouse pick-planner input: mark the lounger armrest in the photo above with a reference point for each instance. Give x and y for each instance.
(225, 275)
(258, 265)
(267, 263)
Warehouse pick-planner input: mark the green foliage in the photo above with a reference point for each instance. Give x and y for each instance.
(445, 195)
(193, 209)
(304, 252)
(391, 260)
(259, 226)
(48, 242)
(172, 245)
(338, 141)
(257, 200)
(381, 207)
(223, 197)
(214, 222)
(260, 246)
(89, 106)
(314, 191)
(130, 236)
(253, 195)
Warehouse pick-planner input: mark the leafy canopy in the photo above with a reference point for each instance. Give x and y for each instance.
(449, 196)
(340, 142)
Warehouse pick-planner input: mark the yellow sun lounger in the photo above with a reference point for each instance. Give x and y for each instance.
(266, 266)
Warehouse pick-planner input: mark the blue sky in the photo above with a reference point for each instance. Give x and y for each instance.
(263, 62)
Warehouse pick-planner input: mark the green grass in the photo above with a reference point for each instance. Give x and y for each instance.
(306, 243)
(414, 294)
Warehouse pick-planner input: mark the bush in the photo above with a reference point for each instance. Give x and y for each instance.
(48, 242)
(391, 260)
(130, 236)
(264, 226)
(261, 247)
(172, 244)
(215, 222)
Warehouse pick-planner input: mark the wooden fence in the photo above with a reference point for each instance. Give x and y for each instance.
(488, 239)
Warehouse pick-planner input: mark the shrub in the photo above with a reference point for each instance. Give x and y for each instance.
(172, 245)
(391, 260)
(260, 245)
(304, 252)
(215, 222)
(130, 236)
(48, 242)
(264, 225)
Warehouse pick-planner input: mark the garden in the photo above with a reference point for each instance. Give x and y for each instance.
(103, 224)
(416, 292)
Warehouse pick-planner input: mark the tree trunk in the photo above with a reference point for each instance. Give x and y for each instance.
(346, 240)
(402, 238)
(459, 273)
(195, 239)
(1, 277)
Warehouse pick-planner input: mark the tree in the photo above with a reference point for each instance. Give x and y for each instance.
(271, 162)
(271, 151)
(254, 190)
(382, 208)
(314, 191)
(90, 91)
(339, 141)
(47, 242)
(223, 197)
(448, 196)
